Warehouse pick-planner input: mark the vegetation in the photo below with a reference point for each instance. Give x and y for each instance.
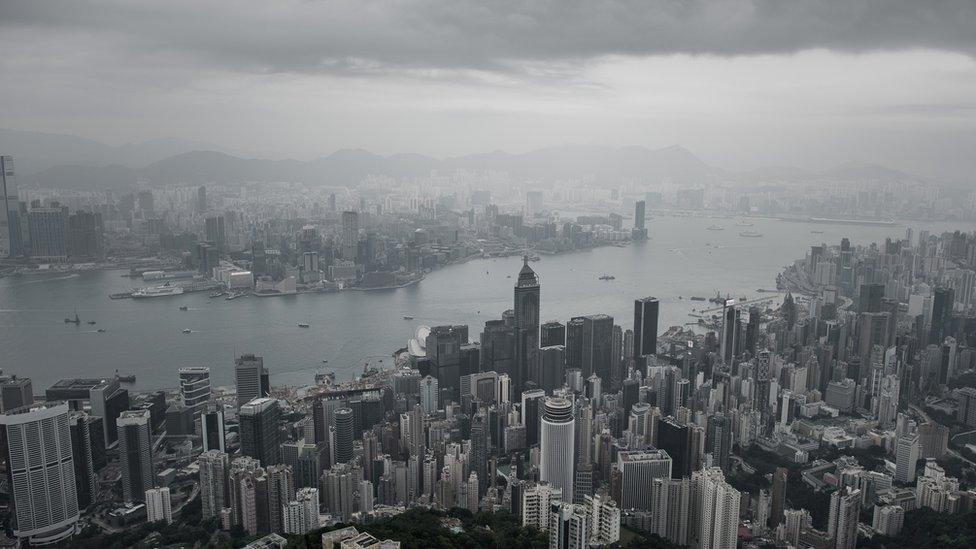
(638, 539)
(927, 529)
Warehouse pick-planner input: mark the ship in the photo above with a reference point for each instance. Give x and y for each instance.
(184, 308)
(303, 324)
(697, 298)
(157, 291)
(90, 322)
(101, 330)
(187, 330)
(608, 277)
(407, 317)
(750, 234)
(167, 275)
(715, 228)
(816, 232)
(74, 320)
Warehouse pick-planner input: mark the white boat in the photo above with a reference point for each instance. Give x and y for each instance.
(303, 324)
(157, 291)
(750, 234)
(187, 330)
(715, 228)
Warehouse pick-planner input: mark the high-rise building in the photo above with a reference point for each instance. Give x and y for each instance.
(557, 445)
(778, 497)
(645, 326)
(845, 511)
(907, 452)
(83, 455)
(301, 515)
(527, 292)
(674, 438)
(195, 387)
(259, 430)
(158, 505)
(888, 520)
(638, 469)
(201, 199)
(672, 505)
(350, 235)
(716, 510)
(10, 225)
(719, 439)
(214, 479)
(552, 333)
(429, 396)
(212, 427)
(343, 435)
(215, 232)
(252, 378)
(15, 392)
(942, 302)
(35, 444)
(534, 501)
(589, 344)
(569, 526)
(530, 414)
(49, 233)
(280, 490)
(640, 230)
(135, 453)
(85, 234)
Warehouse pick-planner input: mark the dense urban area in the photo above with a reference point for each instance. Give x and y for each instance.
(841, 414)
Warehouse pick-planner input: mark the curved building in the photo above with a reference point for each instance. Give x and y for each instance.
(343, 435)
(557, 445)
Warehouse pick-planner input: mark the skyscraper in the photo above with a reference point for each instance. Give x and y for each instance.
(589, 343)
(195, 387)
(845, 511)
(35, 444)
(906, 457)
(135, 452)
(640, 231)
(158, 505)
(717, 510)
(557, 445)
(942, 301)
(49, 233)
(527, 291)
(645, 326)
(82, 453)
(214, 489)
(259, 430)
(15, 392)
(638, 469)
(673, 438)
(10, 226)
(429, 396)
(778, 497)
(343, 437)
(251, 377)
(212, 427)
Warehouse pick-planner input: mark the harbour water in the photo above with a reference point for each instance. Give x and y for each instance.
(145, 337)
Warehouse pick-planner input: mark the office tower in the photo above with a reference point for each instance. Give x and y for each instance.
(730, 338)
(778, 497)
(888, 520)
(135, 453)
(343, 435)
(672, 505)
(869, 298)
(15, 392)
(480, 443)
(719, 440)
(673, 438)
(552, 367)
(557, 445)
(530, 414)
(10, 226)
(214, 477)
(429, 395)
(906, 457)
(281, 490)
(527, 291)
(568, 526)
(638, 469)
(215, 232)
(645, 326)
(872, 330)
(35, 444)
(195, 387)
(307, 460)
(845, 511)
(444, 353)
(301, 515)
(553, 333)
(82, 454)
(201, 199)
(350, 235)
(933, 439)
(212, 427)
(942, 302)
(259, 430)
(158, 505)
(85, 234)
(640, 231)
(251, 378)
(589, 342)
(717, 510)
(49, 233)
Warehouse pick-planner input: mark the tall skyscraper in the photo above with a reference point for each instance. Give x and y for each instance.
(49, 233)
(35, 444)
(214, 488)
(252, 378)
(717, 510)
(942, 301)
(195, 387)
(15, 392)
(158, 505)
(429, 396)
(907, 452)
(212, 427)
(350, 235)
(557, 445)
(638, 469)
(530, 409)
(845, 511)
(674, 438)
(135, 452)
(82, 454)
(10, 226)
(778, 497)
(343, 435)
(259, 430)
(201, 199)
(640, 230)
(553, 333)
(527, 292)
(645, 326)
(589, 345)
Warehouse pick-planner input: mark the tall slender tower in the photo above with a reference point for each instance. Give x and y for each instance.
(527, 291)
(557, 445)
(10, 237)
(645, 327)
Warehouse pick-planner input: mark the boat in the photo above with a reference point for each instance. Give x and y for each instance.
(697, 298)
(303, 324)
(157, 291)
(743, 224)
(90, 322)
(324, 361)
(407, 317)
(187, 330)
(607, 277)
(750, 234)
(816, 232)
(183, 307)
(74, 320)
(715, 228)
(101, 330)
(216, 294)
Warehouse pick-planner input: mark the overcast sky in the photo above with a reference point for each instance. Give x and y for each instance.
(742, 83)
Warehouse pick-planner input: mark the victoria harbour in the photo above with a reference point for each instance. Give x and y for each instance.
(145, 337)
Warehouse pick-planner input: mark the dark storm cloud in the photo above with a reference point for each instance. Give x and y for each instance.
(501, 36)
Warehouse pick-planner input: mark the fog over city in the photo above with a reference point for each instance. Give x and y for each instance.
(661, 274)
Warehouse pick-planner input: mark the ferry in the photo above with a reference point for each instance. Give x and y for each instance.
(157, 291)
(750, 234)
(101, 330)
(407, 317)
(90, 322)
(715, 228)
(183, 308)
(608, 277)
(303, 325)
(187, 330)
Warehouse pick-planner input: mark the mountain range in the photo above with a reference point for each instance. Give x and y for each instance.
(65, 161)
